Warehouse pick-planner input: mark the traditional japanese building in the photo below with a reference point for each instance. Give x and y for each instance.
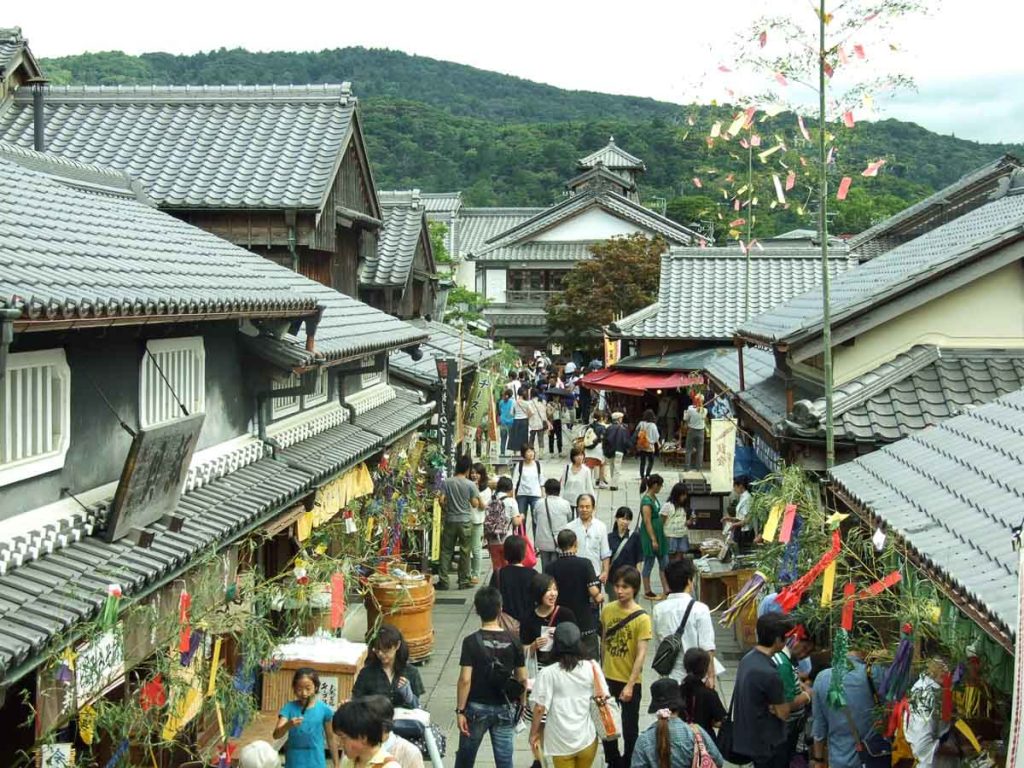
(522, 255)
(922, 331)
(163, 393)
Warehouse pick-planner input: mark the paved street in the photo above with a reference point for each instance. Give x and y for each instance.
(454, 619)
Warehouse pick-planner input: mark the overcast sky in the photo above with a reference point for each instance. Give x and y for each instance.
(963, 56)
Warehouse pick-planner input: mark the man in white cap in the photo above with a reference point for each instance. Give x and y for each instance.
(616, 443)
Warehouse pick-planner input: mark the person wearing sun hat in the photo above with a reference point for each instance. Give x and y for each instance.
(670, 741)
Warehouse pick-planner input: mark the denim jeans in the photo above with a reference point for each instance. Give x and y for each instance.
(495, 719)
(646, 462)
(694, 448)
(503, 432)
(528, 509)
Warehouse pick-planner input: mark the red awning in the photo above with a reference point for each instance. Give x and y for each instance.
(637, 382)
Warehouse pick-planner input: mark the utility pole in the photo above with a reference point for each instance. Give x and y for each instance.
(826, 330)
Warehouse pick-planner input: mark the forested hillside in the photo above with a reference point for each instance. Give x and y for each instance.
(441, 126)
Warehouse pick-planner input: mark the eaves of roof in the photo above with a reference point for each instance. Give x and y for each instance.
(953, 493)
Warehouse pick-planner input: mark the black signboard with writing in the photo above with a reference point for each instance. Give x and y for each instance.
(153, 475)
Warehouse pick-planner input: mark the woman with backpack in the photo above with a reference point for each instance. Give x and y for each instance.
(577, 479)
(500, 515)
(645, 441)
(671, 742)
(478, 475)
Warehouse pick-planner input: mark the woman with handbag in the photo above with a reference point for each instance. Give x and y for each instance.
(671, 742)
(577, 478)
(563, 727)
(536, 631)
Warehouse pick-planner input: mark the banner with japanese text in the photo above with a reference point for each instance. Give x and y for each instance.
(723, 454)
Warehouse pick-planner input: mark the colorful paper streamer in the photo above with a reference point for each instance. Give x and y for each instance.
(337, 600)
(211, 687)
(787, 524)
(828, 584)
(848, 602)
(771, 525)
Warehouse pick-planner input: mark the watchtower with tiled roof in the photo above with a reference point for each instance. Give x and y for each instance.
(610, 167)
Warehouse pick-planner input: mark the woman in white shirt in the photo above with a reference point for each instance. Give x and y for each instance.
(577, 478)
(538, 421)
(520, 433)
(478, 475)
(529, 480)
(561, 698)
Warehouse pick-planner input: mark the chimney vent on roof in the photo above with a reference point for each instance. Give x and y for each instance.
(38, 113)
(1016, 182)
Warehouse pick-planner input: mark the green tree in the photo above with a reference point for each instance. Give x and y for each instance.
(622, 277)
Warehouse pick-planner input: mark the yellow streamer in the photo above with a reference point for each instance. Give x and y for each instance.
(828, 584)
(220, 721)
(214, 666)
(772, 524)
(737, 124)
(369, 528)
(435, 534)
(965, 729)
(87, 724)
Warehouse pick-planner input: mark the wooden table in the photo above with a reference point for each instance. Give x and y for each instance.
(719, 588)
(260, 729)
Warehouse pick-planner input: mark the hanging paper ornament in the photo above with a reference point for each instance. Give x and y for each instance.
(896, 680)
(788, 520)
(350, 523)
(108, 617)
(211, 688)
(337, 601)
(66, 670)
(195, 641)
(748, 592)
(828, 584)
(880, 586)
(947, 697)
(848, 602)
(790, 563)
(897, 713)
(87, 724)
(224, 756)
(840, 666)
(790, 596)
(184, 630)
(153, 694)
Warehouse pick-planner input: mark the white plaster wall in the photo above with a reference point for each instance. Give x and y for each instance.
(592, 224)
(495, 285)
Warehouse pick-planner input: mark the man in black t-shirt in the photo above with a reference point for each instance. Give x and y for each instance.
(490, 659)
(579, 590)
(760, 709)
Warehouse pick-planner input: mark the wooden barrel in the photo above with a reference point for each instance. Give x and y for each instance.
(408, 606)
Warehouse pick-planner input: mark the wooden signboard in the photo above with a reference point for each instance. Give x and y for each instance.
(153, 475)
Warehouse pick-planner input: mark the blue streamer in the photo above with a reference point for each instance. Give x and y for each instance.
(122, 750)
(789, 568)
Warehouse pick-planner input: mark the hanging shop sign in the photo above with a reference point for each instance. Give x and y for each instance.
(723, 454)
(612, 351)
(768, 455)
(59, 755)
(153, 475)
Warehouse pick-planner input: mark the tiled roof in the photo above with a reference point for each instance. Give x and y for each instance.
(442, 202)
(396, 245)
(45, 597)
(612, 156)
(539, 250)
(511, 317)
(920, 261)
(953, 492)
(758, 365)
(77, 243)
(917, 389)
(701, 294)
(349, 328)
(200, 146)
(475, 226)
(600, 173)
(961, 196)
(444, 341)
(11, 44)
(609, 201)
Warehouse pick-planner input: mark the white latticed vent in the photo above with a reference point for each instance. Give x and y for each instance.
(370, 398)
(172, 370)
(35, 414)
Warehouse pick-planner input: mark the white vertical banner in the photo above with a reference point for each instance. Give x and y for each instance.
(1015, 742)
(723, 454)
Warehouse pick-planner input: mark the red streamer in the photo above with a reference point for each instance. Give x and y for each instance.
(185, 632)
(787, 524)
(337, 601)
(848, 603)
(880, 586)
(153, 694)
(947, 697)
(899, 710)
(789, 597)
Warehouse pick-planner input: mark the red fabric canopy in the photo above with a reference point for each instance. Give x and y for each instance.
(637, 382)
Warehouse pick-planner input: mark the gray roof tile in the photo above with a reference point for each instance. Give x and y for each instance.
(612, 156)
(445, 341)
(611, 202)
(442, 202)
(540, 251)
(953, 492)
(76, 243)
(404, 223)
(914, 263)
(961, 196)
(918, 388)
(701, 294)
(200, 146)
(394, 418)
(475, 226)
